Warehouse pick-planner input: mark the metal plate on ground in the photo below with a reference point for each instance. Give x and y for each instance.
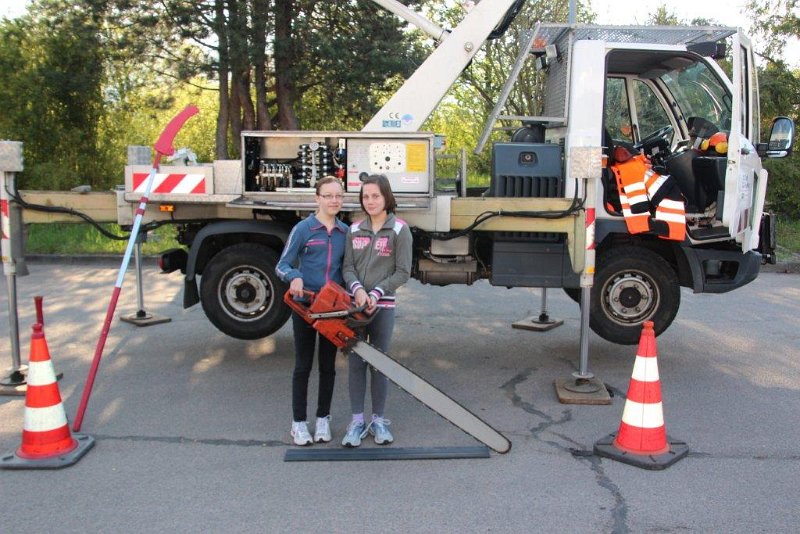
(584, 391)
(147, 319)
(389, 453)
(533, 323)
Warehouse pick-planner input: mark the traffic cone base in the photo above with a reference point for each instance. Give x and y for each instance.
(46, 439)
(675, 451)
(82, 445)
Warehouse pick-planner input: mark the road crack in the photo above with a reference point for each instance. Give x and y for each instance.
(200, 441)
(619, 512)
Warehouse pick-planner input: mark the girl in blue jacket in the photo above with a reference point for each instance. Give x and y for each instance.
(312, 256)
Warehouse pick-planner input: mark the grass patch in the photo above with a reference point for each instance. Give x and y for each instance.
(788, 237)
(70, 238)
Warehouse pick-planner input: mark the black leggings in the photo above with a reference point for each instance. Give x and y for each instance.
(305, 340)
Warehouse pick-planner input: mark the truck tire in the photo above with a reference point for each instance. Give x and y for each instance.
(574, 293)
(632, 285)
(241, 294)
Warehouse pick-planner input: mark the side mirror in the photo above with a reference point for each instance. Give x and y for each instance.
(781, 137)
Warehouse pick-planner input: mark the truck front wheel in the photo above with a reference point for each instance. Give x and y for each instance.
(241, 294)
(632, 285)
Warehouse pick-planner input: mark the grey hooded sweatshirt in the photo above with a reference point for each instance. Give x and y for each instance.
(379, 262)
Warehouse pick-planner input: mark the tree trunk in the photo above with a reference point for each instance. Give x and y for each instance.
(284, 59)
(222, 71)
(235, 107)
(260, 11)
(248, 112)
(238, 60)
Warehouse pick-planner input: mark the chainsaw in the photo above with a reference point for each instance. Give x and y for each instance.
(331, 312)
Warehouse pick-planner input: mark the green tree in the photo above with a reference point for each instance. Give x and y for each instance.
(479, 87)
(663, 17)
(775, 22)
(271, 60)
(52, 68)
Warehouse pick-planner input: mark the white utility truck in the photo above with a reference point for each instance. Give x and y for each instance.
(551, 216)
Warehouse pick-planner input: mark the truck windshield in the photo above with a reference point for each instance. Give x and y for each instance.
(699, 93)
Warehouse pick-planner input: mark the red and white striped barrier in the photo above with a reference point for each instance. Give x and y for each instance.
(175, 183)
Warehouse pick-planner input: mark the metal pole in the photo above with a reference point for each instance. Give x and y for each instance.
(571, 18)
(543, 317)
(137, 255)
(10, 162)
(412, 17)
(16, 376)
(583, 371)
(587, 281)
(584, 387)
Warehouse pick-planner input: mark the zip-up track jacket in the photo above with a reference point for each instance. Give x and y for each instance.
(314, 255)
(379, 262)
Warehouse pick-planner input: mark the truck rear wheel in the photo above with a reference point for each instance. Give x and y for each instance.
(632, 285)
(241, 294)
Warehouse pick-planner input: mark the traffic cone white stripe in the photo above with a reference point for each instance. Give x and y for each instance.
(645, 369)
(640, 415)
(44, 419)
(41, 373)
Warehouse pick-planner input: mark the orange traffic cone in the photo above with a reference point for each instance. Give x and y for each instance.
(642, 437)
(46, 439)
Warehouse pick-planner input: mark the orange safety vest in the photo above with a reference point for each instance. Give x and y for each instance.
(640, 190)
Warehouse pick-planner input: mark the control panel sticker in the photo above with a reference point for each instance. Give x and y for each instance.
(416, 157)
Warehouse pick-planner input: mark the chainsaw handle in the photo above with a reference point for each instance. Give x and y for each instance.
(300, 307)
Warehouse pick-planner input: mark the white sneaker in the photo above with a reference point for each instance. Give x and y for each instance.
(322, 431)
(379, 428)
(300, 433)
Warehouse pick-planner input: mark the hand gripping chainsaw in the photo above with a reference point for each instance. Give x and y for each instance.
(330, 311)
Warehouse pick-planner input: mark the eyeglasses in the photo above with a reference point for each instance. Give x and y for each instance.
(332, 197)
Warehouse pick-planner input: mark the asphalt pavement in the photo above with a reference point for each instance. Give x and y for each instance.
(191, 426)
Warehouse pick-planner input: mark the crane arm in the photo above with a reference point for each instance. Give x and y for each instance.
(416, 99)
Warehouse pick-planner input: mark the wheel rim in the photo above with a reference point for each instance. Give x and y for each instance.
(245, 293)
(630, 297)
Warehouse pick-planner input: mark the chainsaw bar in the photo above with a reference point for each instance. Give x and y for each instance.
(430, 396)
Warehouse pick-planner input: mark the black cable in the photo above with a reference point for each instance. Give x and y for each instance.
(575, 206)
(152, 225)
(58, 209)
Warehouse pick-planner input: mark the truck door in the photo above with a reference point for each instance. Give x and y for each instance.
(744, 164)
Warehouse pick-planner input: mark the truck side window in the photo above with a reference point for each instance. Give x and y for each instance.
(649, 112)
(617, 116)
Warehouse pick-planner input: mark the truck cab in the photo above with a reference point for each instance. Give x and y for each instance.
(660, 91)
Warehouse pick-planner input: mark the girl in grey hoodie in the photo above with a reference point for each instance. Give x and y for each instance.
(377, 260)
